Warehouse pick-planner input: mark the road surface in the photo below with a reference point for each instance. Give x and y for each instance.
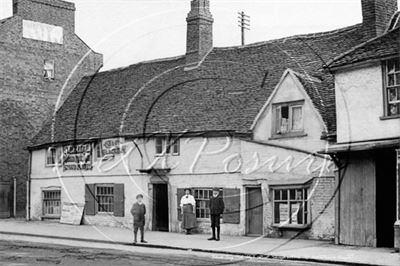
(18, 253)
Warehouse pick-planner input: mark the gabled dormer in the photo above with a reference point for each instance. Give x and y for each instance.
(290, 116)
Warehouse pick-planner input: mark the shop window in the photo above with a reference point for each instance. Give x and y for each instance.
(291, 206)
(288, 119)
(167, 145)
(52, 156)
(52, 203)
(48, 70)
(105, 198)
(392, 87)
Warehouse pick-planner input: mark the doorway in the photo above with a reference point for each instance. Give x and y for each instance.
(254, 211)
(385, 197)
(160, 208)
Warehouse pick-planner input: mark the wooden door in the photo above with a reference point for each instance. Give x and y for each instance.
(160, 207)
(357, 221)
(254, 211)
(4, 203)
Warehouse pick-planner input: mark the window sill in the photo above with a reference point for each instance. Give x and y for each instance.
(48, 217)
(166, 155)
(52, 165)
(292, 226)
(389, 117)
(288, 135)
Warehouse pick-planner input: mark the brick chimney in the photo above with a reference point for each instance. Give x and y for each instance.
(54, 12)
(199, 31)
(377, 15)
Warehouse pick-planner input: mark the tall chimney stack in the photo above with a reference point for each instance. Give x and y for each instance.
(377, 15)
(199, 31)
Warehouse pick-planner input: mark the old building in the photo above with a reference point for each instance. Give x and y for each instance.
(367, 84)
(42, 59)
(246, 119)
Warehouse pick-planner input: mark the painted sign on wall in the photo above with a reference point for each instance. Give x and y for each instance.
(78, 157)
(42, 32)
(112, 146)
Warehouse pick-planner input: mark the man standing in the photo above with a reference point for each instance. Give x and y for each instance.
(138, 212)
(216, 209)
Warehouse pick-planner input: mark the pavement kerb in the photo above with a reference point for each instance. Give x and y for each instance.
(268, 256)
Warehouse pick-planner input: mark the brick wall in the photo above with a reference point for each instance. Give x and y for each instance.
(376, 15)
(27, 100)
(322, 213)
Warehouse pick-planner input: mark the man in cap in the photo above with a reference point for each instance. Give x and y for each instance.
(217, 207)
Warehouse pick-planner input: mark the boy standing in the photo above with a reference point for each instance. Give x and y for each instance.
(216, 209)
(138, 212)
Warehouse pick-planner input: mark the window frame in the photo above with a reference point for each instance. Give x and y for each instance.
(206, 200)
(276, 122)
(53, 71)
(305, 201)
(386, 88)
(57, 157)
(97, 200)
(44, 200)
(168, 146)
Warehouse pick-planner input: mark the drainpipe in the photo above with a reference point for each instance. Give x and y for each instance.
(28, 189)
(15, 198)
(397, 223)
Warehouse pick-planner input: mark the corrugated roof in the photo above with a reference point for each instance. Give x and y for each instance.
(225, 93)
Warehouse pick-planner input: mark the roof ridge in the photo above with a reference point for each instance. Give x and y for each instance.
(297, 36)
(158, 60)
(354, 48)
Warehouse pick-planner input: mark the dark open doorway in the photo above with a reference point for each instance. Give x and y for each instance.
(160, 207)
(254, 211)
(385, 197)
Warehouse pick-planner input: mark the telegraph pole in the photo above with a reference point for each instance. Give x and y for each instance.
(244, 24)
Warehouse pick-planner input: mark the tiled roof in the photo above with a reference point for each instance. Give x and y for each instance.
(225, 93)
(380, 47)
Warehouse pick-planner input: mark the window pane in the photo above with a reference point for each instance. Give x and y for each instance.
(284, 194)
(292, 194)
(393, 109)
(277, 194)
(159, 146)
(284, 123)
(391, 80)
(391, 66)
(297, 119)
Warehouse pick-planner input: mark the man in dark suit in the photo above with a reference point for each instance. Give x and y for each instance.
(217, 207)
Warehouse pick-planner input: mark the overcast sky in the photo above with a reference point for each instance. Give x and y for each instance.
(129, 31)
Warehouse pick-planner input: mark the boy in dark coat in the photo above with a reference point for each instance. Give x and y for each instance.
(217, 207)
(138, 212)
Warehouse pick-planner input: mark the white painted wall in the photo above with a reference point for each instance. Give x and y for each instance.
(202, 163)
(288, 91)
(359, 100)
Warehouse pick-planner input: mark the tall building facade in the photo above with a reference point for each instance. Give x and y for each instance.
(42, 59)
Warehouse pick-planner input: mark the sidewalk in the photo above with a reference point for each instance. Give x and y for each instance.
(306, 250)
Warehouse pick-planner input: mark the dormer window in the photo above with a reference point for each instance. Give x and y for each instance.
(48, 70)
(288, 119)
(392, 87)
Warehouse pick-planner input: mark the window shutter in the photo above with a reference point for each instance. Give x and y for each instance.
(90, 205)
(231, 198)
(119, 200)
(180, 192)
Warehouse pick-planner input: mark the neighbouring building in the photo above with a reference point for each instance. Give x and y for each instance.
(247, 119)
(367, 85)
(41, 61)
